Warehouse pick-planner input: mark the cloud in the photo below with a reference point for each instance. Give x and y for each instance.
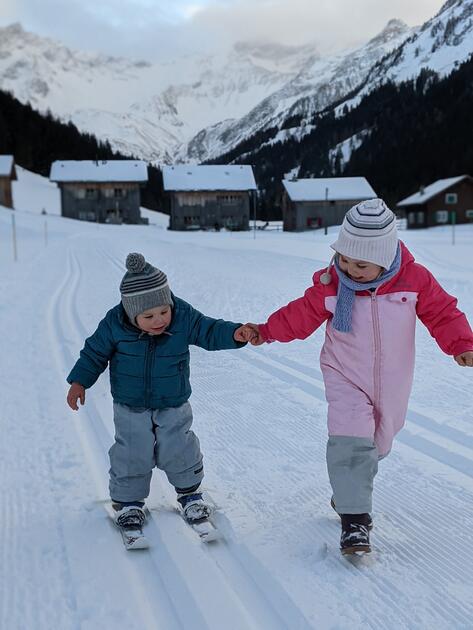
(331, 24)
(160, 29)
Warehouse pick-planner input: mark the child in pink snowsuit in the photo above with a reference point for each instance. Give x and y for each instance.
(370, 296)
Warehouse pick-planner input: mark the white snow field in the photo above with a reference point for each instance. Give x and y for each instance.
(260, 416)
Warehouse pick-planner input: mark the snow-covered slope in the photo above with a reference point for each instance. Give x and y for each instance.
(260, 415)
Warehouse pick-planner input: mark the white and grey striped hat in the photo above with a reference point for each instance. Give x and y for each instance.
(369, 232)
(143, 286)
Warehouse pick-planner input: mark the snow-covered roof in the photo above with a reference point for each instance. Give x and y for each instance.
(424, 194)
(329, 188)
(6, 166)
(99, 171)
(183, 177)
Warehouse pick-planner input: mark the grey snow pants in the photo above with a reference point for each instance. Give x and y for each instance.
(145, 438)
(352, 464)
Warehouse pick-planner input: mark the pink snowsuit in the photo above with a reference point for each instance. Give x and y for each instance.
(368, 371)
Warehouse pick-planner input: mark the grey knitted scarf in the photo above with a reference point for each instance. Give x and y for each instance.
(347, 287)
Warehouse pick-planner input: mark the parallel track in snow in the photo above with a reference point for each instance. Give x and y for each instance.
(178, 583)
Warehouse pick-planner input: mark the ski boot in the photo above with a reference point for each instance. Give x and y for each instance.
(193, 506)
(129, 517)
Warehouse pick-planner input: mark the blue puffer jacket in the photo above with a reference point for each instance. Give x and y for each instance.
(150, 371)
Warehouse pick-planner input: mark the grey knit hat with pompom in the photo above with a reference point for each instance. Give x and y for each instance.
(143, 287)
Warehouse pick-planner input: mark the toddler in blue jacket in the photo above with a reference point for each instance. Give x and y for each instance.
(146, 339)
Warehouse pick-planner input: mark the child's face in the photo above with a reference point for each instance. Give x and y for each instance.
(154, 320)
(359, 270)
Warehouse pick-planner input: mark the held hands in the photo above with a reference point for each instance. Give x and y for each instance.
(465, 359)
(76, 392)
(248, 333)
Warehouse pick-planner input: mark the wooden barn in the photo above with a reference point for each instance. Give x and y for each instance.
(439, 203)
(106, 191)
(210, 196)
(321, 202)
(7, 175)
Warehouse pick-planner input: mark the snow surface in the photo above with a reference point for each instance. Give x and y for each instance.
(6, 165)
(260, 415)
(321, 188)
(208, 177)
(99, 171)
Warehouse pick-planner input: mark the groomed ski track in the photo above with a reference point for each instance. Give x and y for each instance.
(260, 415)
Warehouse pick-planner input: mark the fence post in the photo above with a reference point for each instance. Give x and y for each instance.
(13, 226)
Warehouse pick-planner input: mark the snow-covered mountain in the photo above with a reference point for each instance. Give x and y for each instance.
(396, 54)
(321, 82)
(142, 108)
(440, 44)
(196, 108)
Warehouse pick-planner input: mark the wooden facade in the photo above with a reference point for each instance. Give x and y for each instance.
(452, 203)
(306, 215)
(210, 209)
(103, 202)
(7, 175)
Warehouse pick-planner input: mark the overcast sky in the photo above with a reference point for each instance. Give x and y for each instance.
(162, 29)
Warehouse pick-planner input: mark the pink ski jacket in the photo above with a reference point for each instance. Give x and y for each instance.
(368, 372)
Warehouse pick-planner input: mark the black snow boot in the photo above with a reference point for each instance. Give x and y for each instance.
(369, 524)
(355, 536)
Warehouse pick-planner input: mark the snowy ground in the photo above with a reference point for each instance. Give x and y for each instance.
(260, 415)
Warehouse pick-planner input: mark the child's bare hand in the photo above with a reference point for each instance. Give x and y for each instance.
(244, 334)
(465, 359)
(76, 392)
(256, 338)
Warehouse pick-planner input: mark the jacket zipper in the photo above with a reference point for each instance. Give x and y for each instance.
(148, 365)
(377, 355)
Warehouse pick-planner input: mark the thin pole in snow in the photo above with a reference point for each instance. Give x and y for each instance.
(13, 228)
(453, 218)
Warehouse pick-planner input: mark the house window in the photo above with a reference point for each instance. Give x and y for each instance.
(451, 198)
(420, 218)
(90, 193)
(469, 214)
(85, 215)
(441, 216)
(228, 199)
(118, 192)
(411, 218)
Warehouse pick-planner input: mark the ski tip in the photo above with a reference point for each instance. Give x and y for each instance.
(359, 550)
(138, 543)
(210, 536)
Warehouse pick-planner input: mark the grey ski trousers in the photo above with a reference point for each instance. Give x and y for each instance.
(352, 464)
(145, 438)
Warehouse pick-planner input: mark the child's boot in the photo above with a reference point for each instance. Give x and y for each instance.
(129, 516)
(355, 536)
(193, 506)
(369, 524)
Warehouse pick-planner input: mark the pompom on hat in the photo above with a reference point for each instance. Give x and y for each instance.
(369, 233)
(143, 286)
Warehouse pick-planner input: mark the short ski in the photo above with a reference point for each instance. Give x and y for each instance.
(132, 538)
(205, 529)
